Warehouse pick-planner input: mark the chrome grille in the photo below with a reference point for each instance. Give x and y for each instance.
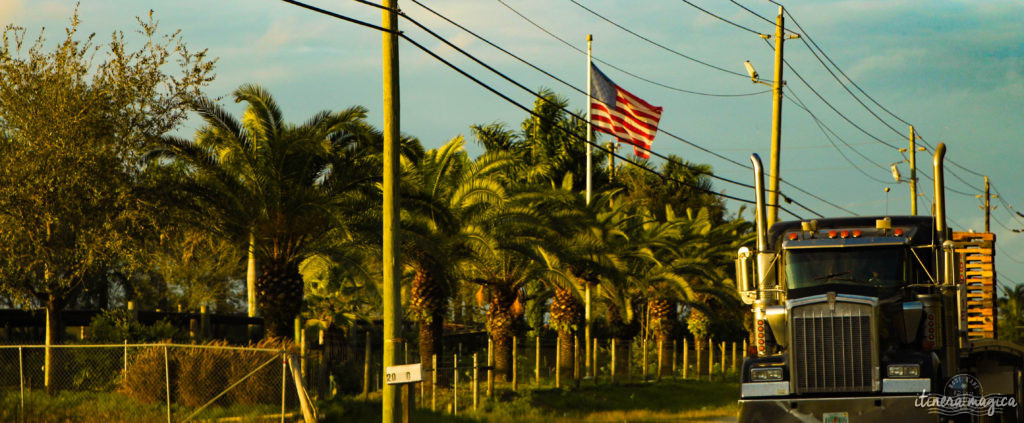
(833, 348)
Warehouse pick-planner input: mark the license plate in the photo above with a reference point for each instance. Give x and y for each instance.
(835, 418)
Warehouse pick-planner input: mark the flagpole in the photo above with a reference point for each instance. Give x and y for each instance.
(590, 38)
(588, 365)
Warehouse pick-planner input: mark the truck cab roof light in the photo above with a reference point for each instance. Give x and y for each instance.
(793, 236)
(857, 233)
(897, 231)
(844, 234)
(832, 234)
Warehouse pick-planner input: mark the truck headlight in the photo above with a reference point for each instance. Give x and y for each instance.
(904, 370)
(765, 374)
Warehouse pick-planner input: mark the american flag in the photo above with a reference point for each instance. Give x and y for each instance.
(615, 111)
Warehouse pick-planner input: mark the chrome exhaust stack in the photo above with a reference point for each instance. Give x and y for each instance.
(759, 208)
(940, 191)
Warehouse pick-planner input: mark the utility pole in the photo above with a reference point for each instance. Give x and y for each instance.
(590, 131)
(390, 407)
(913, 173)
(773, 187)
(988, 208)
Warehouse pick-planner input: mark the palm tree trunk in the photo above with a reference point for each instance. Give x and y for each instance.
(279, 294)
(431, 343)
(499, 324)
(566, 350)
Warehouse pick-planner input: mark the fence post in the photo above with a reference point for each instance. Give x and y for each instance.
(515, 364)
(167, 383)
(490, 367)
(734, 355)
(284, 379)
(593, 363)
(696, 350)
(629, 361)
(711, 359)
(125, 376)
(366, 369)
(576, 359)
(613, 361)
(558, 363)
(21, 375)
(644, 356)
(433, 382)
(659, 358)
(536, 364)
(722, 348)
(686, 357)
(455, 385)
(674, 359)
(476, 383)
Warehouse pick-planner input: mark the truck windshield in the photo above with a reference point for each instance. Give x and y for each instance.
(872, 266)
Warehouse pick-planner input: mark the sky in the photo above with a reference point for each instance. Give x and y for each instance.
(953, 69)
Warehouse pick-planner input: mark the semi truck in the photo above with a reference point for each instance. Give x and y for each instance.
(871, 319)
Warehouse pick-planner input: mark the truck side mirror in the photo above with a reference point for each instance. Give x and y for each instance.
(746, 284)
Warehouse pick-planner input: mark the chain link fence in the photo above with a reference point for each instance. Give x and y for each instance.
(147, 383)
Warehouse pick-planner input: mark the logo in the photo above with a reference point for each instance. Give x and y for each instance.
(963, 395)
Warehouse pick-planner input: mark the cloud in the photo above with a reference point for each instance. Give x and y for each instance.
(9, 9)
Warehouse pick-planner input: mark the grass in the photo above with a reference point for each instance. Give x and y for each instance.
(642, 402)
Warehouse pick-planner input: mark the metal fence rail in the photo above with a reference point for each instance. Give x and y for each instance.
(144, 383)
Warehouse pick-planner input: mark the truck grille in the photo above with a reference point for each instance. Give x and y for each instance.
(832, 350)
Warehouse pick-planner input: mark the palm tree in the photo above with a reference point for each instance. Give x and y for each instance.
(443, 196)
(1011, 314)
(282, 188)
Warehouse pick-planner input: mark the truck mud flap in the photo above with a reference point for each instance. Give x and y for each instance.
(834, 410)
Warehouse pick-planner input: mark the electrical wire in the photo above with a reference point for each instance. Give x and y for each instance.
(524, 108)
(717, 17)
(753, 12)
(570, 45)
(829, 138)
(669, 134)
(662, 130)
(655, 43)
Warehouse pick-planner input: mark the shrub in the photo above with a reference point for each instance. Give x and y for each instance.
(264, 387)
(118, 325)
(145, 381)
(202, 373)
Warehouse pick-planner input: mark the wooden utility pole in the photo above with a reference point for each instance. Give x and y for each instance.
(773, 187)
(392, 289)
(913, 173)
(988, 207)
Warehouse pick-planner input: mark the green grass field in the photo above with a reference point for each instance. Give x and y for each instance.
(688, 400)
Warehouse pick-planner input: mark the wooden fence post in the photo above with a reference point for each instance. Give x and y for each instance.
(660, 361)
(734, 356)
(674, 359)
(722, 345)
(613, 361)
(433, 382)
(558, 364)
(643, 358)
(593, 362)
(536, 364)
(476, 383)
(366, 369)
(696, 350)
(576, 359)
(686, 358)
(490, 367)
(515, 364)
(455, 385)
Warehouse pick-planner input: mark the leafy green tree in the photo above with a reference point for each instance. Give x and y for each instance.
(285, 188)
(73, 121)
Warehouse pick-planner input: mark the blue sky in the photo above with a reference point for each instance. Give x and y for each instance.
(953, 69)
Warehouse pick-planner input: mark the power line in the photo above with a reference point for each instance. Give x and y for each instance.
(753, 12)
(829, 138)
(669, 134)
(655, 43)
(537, 95)
(570, 45)
(524, 108)
(715, 16)
(524, 88)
